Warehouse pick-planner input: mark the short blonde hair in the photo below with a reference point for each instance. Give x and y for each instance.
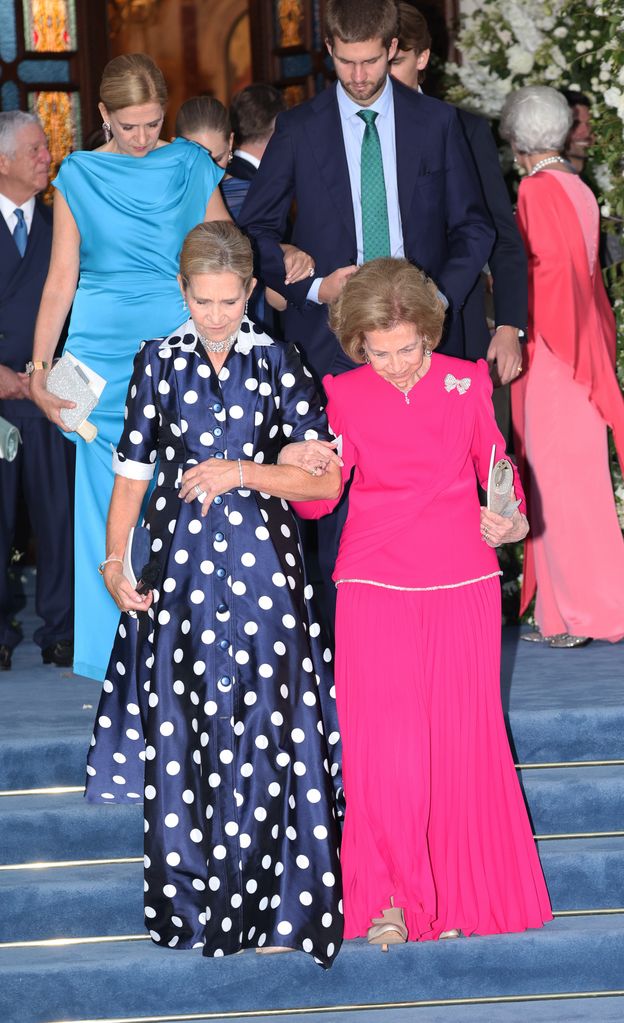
(379, 296)
(130, 80)
(216, 247)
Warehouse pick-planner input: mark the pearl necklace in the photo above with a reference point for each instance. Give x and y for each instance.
(544, 163)
(218, 346)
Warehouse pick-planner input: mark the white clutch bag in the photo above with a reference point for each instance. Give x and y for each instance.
(501, 498)
(75, 381)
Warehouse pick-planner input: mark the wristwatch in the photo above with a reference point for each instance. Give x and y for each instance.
(32, 366)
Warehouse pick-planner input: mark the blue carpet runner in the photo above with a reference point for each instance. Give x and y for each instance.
(564, 707)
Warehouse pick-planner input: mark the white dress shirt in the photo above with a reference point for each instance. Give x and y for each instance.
(8, 207)
(353, 128)
(244, 155)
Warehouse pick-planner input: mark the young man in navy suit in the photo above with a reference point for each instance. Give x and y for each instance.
(42, 469)
(434, 207)
(429, 205)
(252, 112)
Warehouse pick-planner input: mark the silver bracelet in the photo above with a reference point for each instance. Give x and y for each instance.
(107, 561)
(240, 473)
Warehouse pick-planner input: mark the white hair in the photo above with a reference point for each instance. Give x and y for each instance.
(10, 123)
(536, 119)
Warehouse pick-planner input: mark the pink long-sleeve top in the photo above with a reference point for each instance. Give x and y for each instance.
(413, 519)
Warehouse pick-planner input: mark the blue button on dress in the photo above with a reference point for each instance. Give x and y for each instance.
(132, 215)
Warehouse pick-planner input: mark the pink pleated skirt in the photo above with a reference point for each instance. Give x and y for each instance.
(435, 816)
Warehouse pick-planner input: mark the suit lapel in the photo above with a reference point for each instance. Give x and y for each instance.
(410, 129)
(327, 142)
(15, 267)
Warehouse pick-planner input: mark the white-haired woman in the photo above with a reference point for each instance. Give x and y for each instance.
(563, 405)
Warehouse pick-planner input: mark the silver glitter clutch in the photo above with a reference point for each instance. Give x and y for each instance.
(500, 491)
(70, 379)
(10, 438)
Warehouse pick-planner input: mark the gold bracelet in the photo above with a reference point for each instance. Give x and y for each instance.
(107, 561)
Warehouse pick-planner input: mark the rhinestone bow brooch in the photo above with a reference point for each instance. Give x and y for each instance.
(451, 382)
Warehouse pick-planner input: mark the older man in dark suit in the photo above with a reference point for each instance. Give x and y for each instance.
(364, 155)
(43, 467)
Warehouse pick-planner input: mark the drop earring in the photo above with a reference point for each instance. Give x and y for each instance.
(246, 307)
(366, 358)
(427, 351)
(106, 128)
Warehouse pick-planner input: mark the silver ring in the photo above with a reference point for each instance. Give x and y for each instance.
(313, 472)
(311, 272)
(197, 489)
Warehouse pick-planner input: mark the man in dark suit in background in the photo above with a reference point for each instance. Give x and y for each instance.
(252, 113)
(507, 260)
(43, 469)
(374, 170)
(433, 212)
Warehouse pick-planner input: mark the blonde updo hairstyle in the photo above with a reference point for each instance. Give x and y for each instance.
(216, 247)
(131, 80)
(379, 296)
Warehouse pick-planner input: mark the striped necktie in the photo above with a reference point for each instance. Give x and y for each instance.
(375, 229)
(20, 234)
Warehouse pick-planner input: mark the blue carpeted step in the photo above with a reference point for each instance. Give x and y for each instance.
(568, 800)
(66, 827)
(107, 899)
(136, 978)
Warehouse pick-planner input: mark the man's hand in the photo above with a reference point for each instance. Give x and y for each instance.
(333, 284)
(506, 352)
(13, 385)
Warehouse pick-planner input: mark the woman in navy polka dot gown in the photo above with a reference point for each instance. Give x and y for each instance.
(218, 706)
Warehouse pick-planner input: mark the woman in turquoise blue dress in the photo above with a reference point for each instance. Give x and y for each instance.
(120, 216)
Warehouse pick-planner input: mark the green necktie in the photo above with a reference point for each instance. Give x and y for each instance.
(375, 230)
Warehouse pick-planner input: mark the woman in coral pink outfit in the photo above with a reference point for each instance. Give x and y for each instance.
(437, 839)
(570, 394)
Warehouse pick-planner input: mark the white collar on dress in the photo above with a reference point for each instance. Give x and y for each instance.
(249, 336)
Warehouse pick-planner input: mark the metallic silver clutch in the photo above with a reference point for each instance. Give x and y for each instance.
(10, 438)
(68, 379)
(501, 496)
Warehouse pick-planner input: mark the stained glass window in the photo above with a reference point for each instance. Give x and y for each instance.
(59, 113)
(49, 26)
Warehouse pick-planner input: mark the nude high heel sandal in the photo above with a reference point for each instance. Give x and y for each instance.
(389, 929)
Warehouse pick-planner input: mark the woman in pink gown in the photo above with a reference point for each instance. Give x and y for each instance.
(570, 394)
(437, 840)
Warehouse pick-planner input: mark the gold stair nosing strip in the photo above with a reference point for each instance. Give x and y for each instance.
(561, 996)
(56, 790)
(109, 938)
(50, 864)
(59, 790)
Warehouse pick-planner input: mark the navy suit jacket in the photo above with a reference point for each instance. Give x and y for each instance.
(446, 228)
(21, 284)
(241, 169)
(507, 260)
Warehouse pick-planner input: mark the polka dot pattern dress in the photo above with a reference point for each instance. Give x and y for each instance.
(218, 706)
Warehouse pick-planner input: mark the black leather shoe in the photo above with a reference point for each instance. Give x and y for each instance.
(61, 654)
(5, 657)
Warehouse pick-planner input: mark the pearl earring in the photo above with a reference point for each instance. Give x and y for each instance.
(427, 352)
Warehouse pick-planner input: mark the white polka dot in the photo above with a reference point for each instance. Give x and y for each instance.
(135, 437)
(104, 721)
(278, 579)
(208, 636)
(307, 945)
(150, 792)
(195, 835)
(313, 796)
(248, 560)
(297, 735)
(220, 852)
(246, 770)
(231, 828)
(288, 621)
(250, 698)
(266, 604)
(260, 813)
(197, 596)
(326, 919)
(262, 533)
(280, 648)
(277, 718)
(302, 407)
(210, 707)
(207, 567)
(166, 728)
(261, 741)
(178, 687)
(251, 384)
(172, 820)
(328, 879)
(250, 628)
(241, 657)
(173, 859)
(206, 439)
(194, 526)
(190, 397)
(188, 796)
(214, 780)
(274, 789)
(213, 883)
(305, 899)
(284, 927)
(303, 862)
(244, 841)
(320, 831)
(181, 557)
(163, 387)
(173, 767)
(283, 759)
(309, 699)
(239, 588)
(265, 671)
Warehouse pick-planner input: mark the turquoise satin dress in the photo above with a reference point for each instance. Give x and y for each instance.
(132, 214)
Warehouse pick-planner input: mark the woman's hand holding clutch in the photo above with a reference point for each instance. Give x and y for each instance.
(49, 404)
(498, 529)
(122, 592)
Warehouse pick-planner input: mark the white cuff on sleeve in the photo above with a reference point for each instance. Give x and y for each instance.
(314, 290)
(132, 470)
